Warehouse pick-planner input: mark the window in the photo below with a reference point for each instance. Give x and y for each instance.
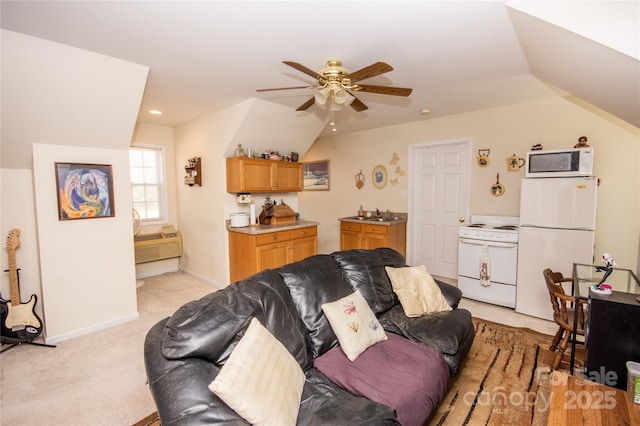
(147, 182)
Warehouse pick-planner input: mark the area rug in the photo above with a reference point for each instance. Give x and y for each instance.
(151, 420)
(505, 380)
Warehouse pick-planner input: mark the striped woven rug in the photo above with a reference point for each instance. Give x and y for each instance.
(505, 380)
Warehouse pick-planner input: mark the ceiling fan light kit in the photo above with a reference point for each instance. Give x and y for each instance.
(334, 83)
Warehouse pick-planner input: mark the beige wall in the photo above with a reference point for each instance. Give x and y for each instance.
(155, 135)
(65, 104)
(203, 210)
(555, 123)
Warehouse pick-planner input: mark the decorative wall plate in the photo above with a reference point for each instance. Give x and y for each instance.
(379, 176)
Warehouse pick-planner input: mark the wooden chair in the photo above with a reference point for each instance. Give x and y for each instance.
(564, 309)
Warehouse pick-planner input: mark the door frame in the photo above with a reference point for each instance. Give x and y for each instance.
(411, 228)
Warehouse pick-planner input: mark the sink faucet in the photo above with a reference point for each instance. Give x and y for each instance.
(377, 213)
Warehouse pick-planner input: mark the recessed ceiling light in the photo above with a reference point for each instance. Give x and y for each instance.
(425, 111)
(155, 112)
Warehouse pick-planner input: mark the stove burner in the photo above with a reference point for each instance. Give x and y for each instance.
(476, 225)
(508, 227)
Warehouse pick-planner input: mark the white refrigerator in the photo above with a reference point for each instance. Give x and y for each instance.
(557, 222)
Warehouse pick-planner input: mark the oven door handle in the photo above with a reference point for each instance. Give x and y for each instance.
(488, 243)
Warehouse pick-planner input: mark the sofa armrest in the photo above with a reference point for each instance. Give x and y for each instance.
(452, 293)
(180, 387)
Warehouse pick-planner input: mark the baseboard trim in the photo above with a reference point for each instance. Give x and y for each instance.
(215, 284)
(52, 340)
(155, 272)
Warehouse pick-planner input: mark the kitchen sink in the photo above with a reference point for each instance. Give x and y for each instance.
(375, 219)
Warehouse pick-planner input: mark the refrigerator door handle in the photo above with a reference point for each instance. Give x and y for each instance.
(488, 243)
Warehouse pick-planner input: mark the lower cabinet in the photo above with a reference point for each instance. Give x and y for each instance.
(613, 336)
(251, 253)
(369, 236)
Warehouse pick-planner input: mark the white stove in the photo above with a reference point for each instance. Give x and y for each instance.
(491, 228)
(488, 259)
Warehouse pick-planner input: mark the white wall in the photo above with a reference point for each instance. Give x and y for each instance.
(57, 100)
(555, 123)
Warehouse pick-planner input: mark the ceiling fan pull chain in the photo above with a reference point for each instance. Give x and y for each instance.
(333, 116)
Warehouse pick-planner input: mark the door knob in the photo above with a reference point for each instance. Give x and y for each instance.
(461, 219)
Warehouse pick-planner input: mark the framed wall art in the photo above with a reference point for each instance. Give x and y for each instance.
(85, 191)
(316, 176)
(379, 176)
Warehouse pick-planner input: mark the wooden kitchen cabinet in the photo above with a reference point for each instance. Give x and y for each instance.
(258, 175)
(251, 253)
(370, 236)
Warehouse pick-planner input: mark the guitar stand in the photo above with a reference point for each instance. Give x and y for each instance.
(15, 342)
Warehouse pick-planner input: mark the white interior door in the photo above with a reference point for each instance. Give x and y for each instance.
(438, 202)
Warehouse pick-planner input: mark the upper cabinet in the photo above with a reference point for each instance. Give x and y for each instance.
(257, 175)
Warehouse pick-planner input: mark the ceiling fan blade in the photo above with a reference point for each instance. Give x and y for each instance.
(286, 88)
(370, 71)
(306, 105)
(358, 105)
(385, 90)
(302, 68)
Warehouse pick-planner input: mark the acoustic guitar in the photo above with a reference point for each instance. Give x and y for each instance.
(19, 321)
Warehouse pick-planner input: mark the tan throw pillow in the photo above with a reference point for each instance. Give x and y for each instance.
(261, 380)
(417, 291)
(354, 323)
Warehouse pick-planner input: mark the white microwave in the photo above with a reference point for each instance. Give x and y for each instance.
(572, 162)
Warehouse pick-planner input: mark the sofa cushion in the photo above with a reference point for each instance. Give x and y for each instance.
(261, 381)
(418, 292)
(354, 323)
(364, 271)
(451, 333)
(312, 282)
(210, 328)
(407, 376)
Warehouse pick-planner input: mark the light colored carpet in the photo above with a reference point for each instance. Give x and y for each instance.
(97, 379)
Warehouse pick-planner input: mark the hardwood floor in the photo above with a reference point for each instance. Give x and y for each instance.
(576, 401)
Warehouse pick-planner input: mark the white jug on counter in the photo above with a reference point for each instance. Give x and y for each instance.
(239, 220)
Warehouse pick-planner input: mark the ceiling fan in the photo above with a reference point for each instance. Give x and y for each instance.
(335, 83)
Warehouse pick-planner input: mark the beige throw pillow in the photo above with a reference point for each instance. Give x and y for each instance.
(417, 291)
(354, 323)
(261, 380)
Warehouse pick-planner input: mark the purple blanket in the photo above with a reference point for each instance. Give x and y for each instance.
(408, 376)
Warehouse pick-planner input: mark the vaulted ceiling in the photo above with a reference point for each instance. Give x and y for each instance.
(456, 56)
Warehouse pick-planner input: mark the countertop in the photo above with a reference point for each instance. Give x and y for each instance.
(397, 218)
(265, 229)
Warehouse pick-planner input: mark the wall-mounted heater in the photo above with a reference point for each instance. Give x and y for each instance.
(163, 245)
